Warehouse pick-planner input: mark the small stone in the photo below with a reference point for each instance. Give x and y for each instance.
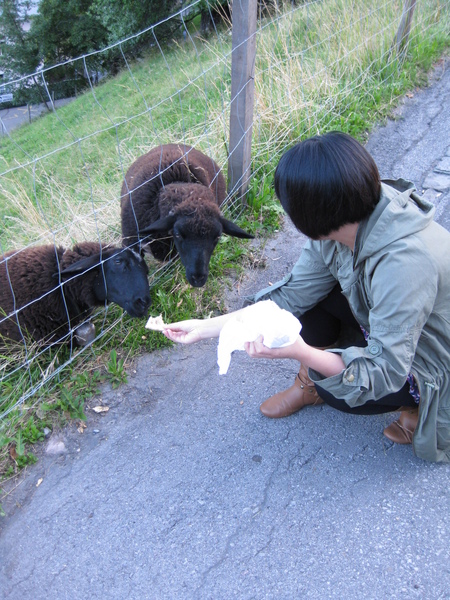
(85, 334)
(55, 446)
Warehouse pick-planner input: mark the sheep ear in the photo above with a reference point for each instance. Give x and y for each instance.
(160, 226)
(231, 228)
(81, 265)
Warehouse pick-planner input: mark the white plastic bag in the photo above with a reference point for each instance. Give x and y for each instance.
(277, 326)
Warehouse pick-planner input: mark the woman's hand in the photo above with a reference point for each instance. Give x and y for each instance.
(326, 363)
(257, 349)
(185, 332)
(194, 330)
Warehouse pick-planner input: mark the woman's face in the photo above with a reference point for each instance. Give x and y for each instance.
(345, 235)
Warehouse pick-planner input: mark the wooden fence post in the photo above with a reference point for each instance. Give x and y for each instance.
(401, 39)
(242, 95)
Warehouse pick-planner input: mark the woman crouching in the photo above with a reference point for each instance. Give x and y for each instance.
(375, 264)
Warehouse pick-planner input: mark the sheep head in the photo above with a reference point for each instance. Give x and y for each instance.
(195, 225)
(121, 276)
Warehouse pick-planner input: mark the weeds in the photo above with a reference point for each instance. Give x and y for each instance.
(266, 208)
(116, 370)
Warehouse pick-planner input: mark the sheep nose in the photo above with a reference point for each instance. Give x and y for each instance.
(142, 304)
(198, 280)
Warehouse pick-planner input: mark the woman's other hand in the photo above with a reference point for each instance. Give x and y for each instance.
(257, 349)
(326, 363)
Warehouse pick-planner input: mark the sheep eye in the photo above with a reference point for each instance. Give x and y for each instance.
(118, 261)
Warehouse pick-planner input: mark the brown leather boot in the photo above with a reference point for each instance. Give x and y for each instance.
(302, 393)
(402, 430)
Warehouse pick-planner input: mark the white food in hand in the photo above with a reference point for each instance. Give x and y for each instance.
(155, 323)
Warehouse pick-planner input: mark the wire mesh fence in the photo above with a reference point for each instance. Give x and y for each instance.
(319, 65)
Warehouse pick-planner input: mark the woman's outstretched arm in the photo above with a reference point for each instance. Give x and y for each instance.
(194, 330)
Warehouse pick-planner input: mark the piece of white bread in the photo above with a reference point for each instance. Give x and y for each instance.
(155, 323)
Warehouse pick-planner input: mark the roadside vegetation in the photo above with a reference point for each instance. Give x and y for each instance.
(61, 175)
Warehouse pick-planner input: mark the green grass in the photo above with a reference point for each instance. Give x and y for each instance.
(326, 65)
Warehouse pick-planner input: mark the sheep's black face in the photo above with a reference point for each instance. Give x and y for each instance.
(195, 249)
(126, 276)
(195, 232)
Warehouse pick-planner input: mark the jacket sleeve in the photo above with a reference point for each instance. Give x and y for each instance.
(401, 289)
(308, 283)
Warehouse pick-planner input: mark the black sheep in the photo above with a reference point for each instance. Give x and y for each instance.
(47, 291)
(173, 194)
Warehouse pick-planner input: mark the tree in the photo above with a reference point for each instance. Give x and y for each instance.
(123, 18)
(19, 54)
(62, 30)
(66, 29)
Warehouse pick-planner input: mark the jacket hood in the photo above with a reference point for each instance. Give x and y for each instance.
(399, 212)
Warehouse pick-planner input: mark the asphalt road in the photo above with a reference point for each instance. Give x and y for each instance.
(10, 118)
(183, 490)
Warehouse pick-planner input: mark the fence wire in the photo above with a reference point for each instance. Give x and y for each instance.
(61, 173)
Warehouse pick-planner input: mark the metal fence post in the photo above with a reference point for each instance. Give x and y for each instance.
(242, 95)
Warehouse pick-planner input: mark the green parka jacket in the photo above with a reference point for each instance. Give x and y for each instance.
(397, 283)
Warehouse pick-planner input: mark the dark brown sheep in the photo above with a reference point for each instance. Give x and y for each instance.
(47, 291)
(173, 194)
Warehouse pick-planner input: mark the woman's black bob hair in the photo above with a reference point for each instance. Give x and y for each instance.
(327, 181)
